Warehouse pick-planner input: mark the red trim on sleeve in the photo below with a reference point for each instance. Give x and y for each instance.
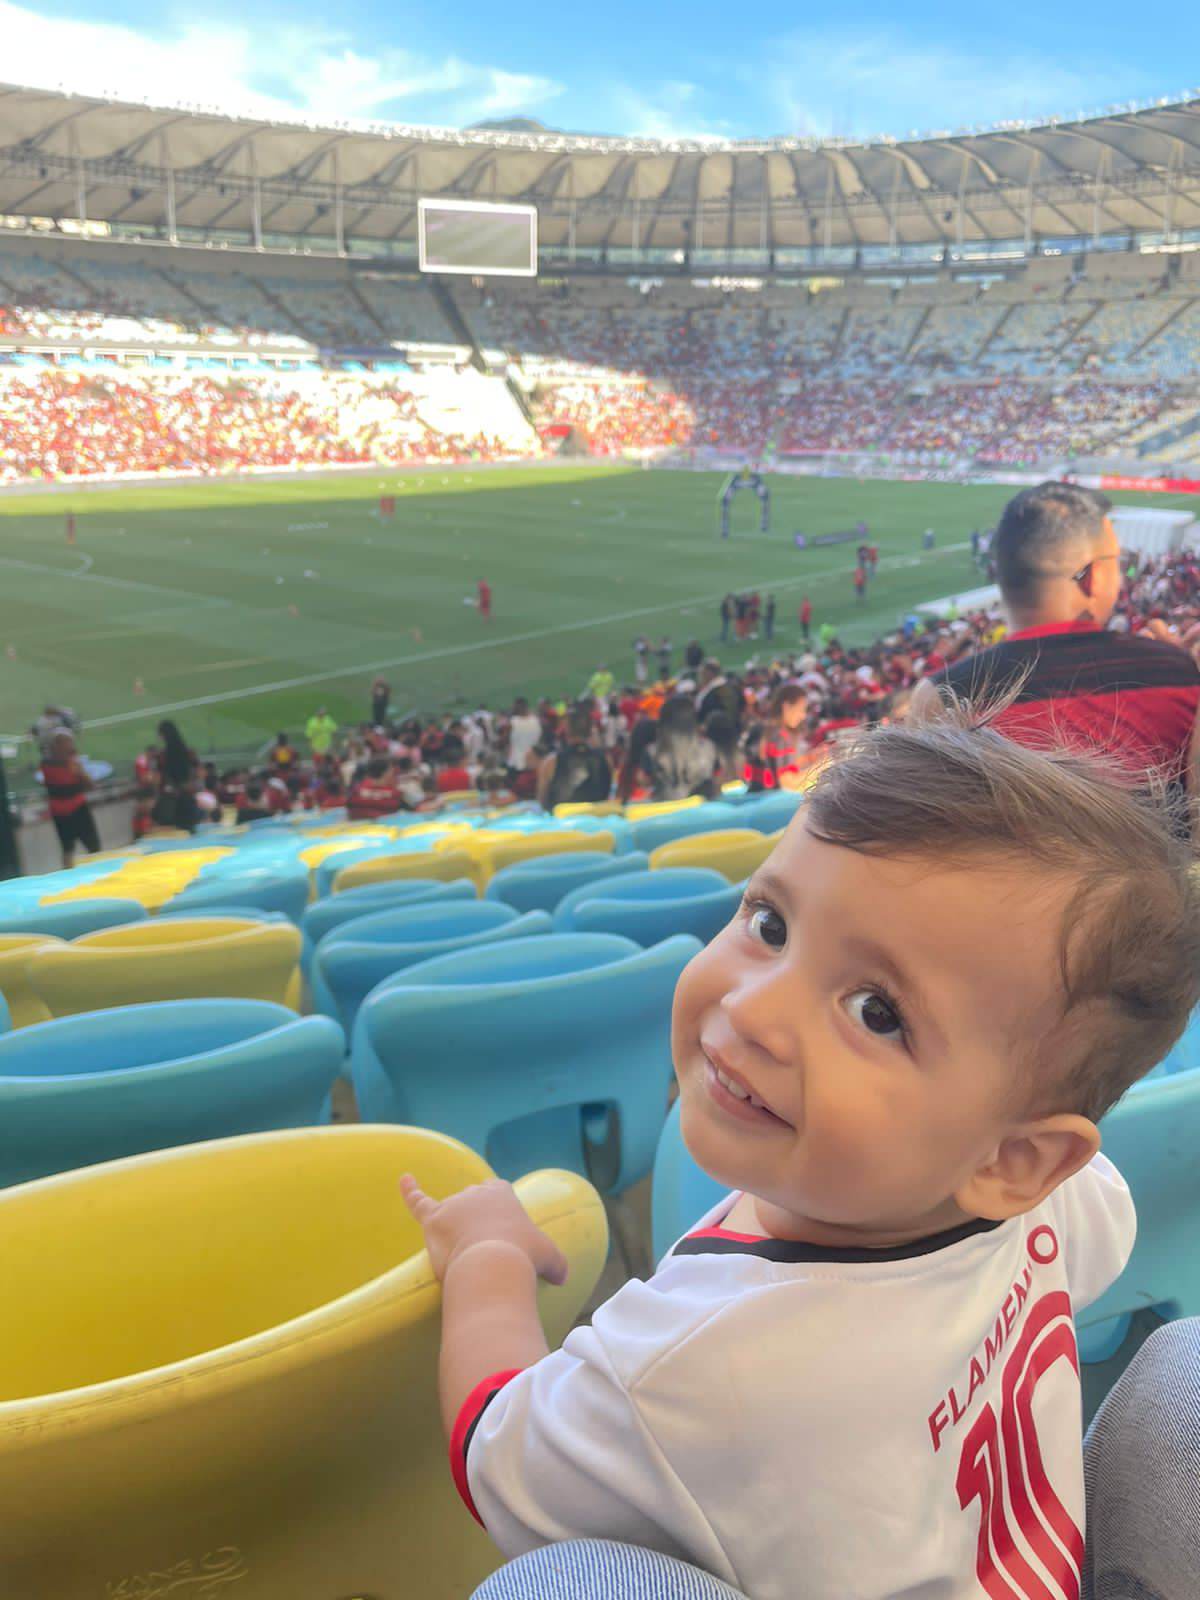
(473, 1407)
(726, 1233)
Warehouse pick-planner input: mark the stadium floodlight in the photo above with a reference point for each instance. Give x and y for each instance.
(478, 238)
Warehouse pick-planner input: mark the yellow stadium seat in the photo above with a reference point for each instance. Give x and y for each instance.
(16, 949)
(511, 848)
(588, 808)
(223, 1379)
(178, 959)
(151, 880)
(734, 852)
(642, 809)
(444, 865)
(460, 797)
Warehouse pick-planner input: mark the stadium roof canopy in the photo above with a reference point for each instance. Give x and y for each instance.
(188, 171)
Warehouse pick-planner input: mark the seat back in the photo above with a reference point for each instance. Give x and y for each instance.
(444, 865)
(540, 884)
(24, 1005)
(733, 852)
(346, 967)
(668, 883)
(323, 916)
(682, 1193)
(280, 887)
(272, 1291)
(169, 959)
(654, 831)
(85, 1089)
(572, 1068)
(70, 919)
(647, 921)
(768, 812)
(506, 852)
(1152, 1136)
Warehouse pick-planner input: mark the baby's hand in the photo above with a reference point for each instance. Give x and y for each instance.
(483, 1214)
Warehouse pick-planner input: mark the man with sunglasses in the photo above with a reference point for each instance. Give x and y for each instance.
(1133, 696)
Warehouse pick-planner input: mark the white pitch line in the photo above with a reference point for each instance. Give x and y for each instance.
(113, 583)
(674, 607)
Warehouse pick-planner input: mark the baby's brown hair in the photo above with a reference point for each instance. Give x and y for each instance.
(952, 790)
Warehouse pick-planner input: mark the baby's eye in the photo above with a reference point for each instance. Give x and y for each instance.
(766, 924)
(876, 1014)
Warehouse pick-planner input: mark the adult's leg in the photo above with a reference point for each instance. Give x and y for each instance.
(1142, 1475)
(86, 831)
(596, 1569)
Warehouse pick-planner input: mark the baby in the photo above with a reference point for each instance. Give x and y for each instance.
(857, 1379)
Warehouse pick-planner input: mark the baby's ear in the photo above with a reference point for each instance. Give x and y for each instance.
(1028, 1164)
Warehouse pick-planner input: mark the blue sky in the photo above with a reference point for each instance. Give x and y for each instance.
(622, 67)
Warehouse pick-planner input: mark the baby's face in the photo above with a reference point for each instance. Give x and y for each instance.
(884, 1012)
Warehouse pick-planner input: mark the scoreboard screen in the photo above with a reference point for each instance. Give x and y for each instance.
(471, 236)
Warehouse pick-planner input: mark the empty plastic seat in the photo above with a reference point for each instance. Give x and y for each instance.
(92, 1088)
(682, 1192)
(640, 809)
(282, 887)
(571, 1066)
(445, 865)
(169, 959)
(1152, 1135)
(540, 884)
(650, 906)
(768, 812)
(735, 853)
(655, 831)
(496, 853)
(255, 1401)
(350, 961)
(668, 883)
(323, 916)
(72, 918)
(24, 1006)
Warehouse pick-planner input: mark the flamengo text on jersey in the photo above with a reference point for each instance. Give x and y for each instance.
(950, 1411)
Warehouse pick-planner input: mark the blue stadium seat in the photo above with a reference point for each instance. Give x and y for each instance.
(569, 1067)
(94, 1087)
(1153, 1135)
(768, 812)
(277, 888)
(350, 961)
(668, 883)
(647, 915)
(323, 916)
(540, 885)
(71, 919)
(682, 1192)
(653, 831)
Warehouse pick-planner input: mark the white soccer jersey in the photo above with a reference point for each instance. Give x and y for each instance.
(899, 1424)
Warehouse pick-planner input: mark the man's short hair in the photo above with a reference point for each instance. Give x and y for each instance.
(1037, 527)
(1129, 951)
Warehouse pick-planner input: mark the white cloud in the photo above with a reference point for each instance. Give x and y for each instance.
(668, 110)
(311, 72)
(853, 81)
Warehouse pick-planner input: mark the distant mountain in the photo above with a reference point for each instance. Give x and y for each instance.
(512, 125)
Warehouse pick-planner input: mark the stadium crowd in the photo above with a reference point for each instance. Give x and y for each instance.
(56, 422)
(700, 724)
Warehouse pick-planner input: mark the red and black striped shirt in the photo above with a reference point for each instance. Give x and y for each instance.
(1129, 696)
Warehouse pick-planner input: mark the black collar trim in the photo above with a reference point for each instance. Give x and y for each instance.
(719, 1242)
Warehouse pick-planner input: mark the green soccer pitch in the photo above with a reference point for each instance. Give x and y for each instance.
(239, 608)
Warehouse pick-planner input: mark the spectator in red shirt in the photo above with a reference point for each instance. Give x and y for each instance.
(375, 794)
(1134, 697)
(67, 784)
